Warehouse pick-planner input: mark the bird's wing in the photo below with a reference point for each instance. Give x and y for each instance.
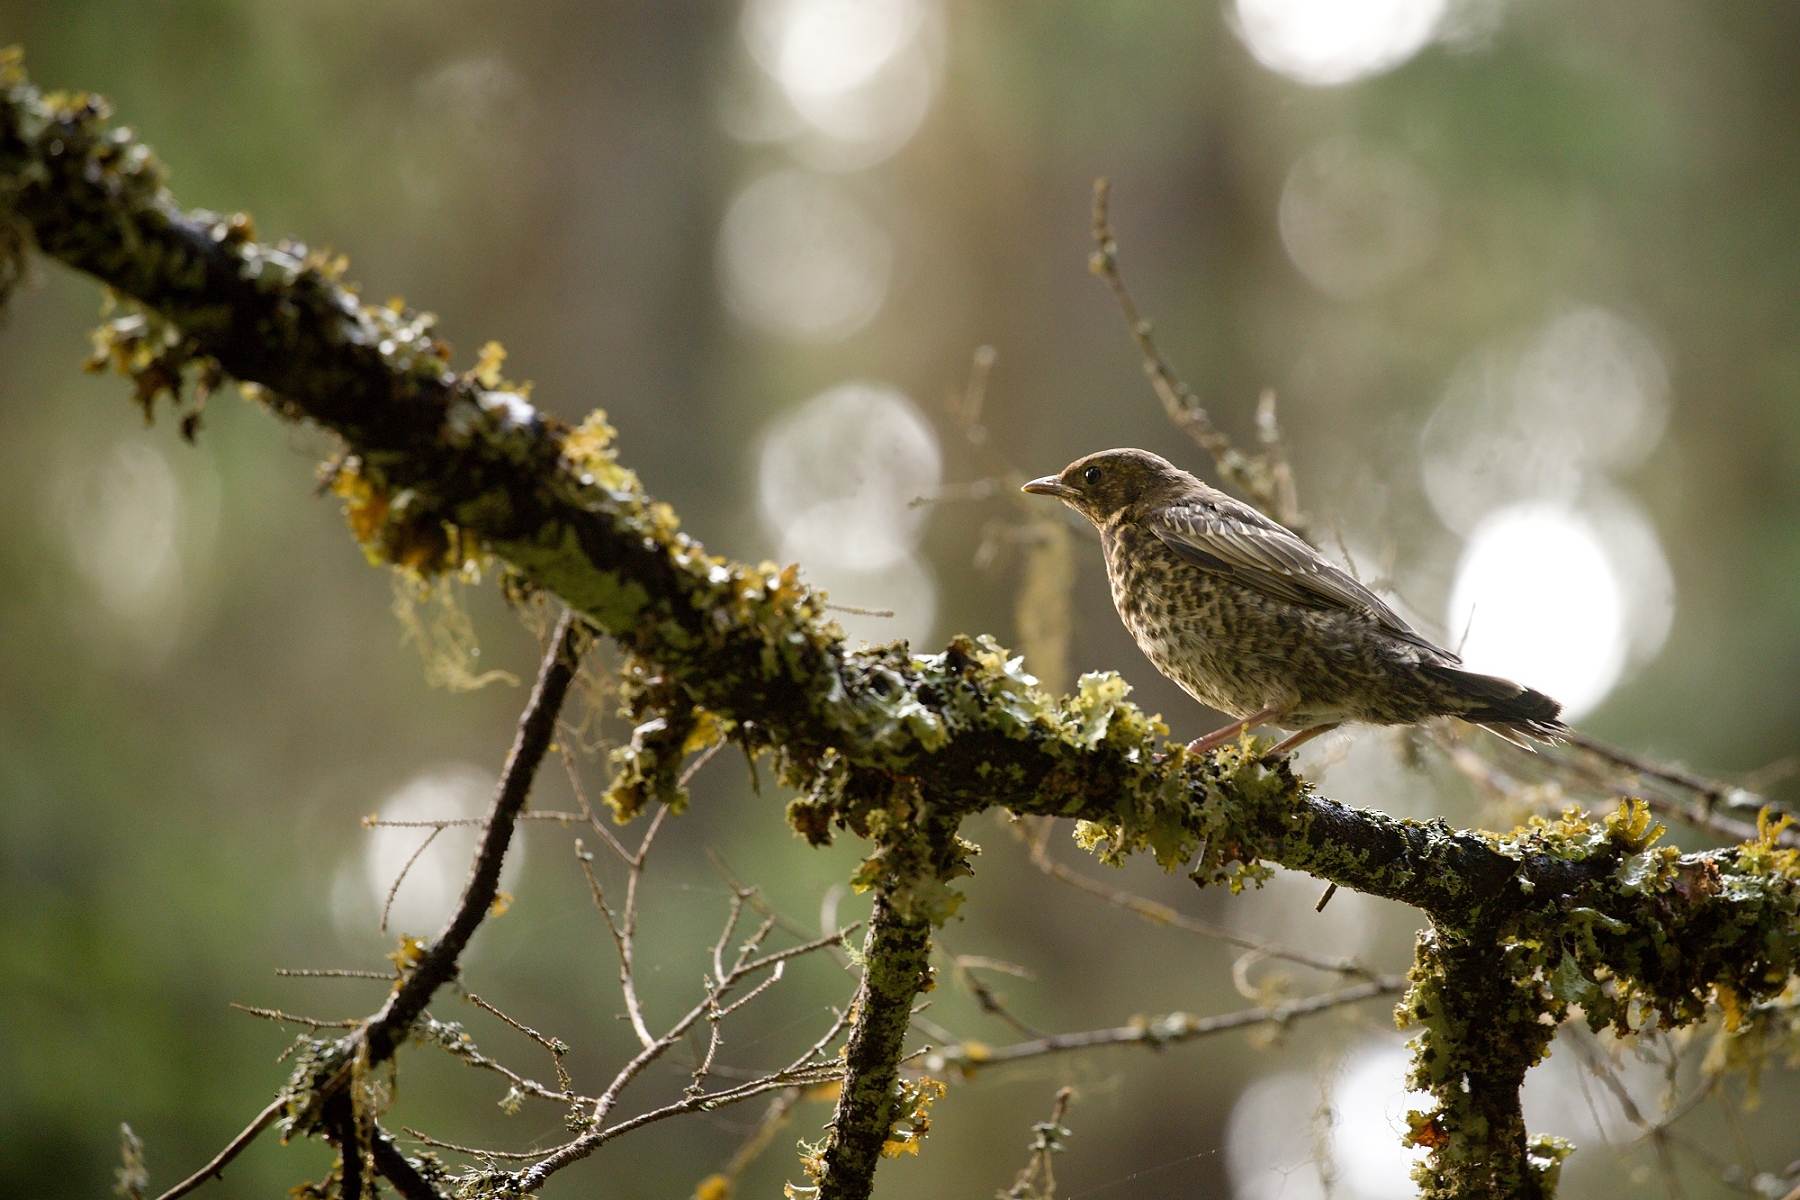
(1234, 539)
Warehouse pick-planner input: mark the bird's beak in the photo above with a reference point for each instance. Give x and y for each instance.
(1050, 485)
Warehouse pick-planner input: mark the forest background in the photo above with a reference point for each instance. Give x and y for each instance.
(1517, 258)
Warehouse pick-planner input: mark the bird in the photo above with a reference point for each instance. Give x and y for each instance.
(1250, 620)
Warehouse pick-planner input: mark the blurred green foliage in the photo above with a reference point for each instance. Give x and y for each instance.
(179, 793)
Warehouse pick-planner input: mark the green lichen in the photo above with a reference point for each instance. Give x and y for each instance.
(665, 728)
(442, 469)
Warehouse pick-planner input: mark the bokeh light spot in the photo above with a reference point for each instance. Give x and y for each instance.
(836, 479)
(1325, 42)
(858, 74)
(1588, 393)
(824, 48)
(1537, 600)
(429, 894)
(800, 259)
(122, 518)
(1356, 219)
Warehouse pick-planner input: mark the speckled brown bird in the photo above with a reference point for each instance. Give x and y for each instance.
(1252, 621)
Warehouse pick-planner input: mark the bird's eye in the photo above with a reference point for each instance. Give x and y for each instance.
(1091, 476)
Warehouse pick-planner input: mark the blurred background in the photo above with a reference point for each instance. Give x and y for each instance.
(1521, 274)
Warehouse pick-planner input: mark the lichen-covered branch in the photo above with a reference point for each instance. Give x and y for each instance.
(443, 469)
(897, 968)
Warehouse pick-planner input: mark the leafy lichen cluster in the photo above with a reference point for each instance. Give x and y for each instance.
(443, 469)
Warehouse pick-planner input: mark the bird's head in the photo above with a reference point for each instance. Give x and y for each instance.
(1102, 485)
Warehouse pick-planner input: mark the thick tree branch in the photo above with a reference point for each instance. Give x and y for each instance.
(441, 467)
(897, 954)
(400, 1170)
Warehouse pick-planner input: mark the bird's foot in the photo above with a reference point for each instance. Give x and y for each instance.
(1294, 741)
(1231, 732)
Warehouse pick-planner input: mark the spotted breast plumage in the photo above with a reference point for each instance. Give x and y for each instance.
(1250, 620)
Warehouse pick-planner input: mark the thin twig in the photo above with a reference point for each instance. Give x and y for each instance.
(287, 1018)
(1262, 478)
(333, 973)
(1162, 914)
(464, 1048)
(624, 928)
(401, 878)
(705, 756)
(216, 1167)
(555, 1046)
(1174, 1028)
(800, 1071)
(860, 611)
(439, 1144)
(965, 965)
(439, 963)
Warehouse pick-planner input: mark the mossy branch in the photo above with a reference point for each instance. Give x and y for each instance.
(444, 468)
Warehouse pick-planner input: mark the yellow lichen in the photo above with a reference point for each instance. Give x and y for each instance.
(443, 633)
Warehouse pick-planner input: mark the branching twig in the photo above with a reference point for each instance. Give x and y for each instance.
(1264, 479)
(1162, 914)
(624, 926)
(1038, 1180)
(598, 1133)
(439, 962)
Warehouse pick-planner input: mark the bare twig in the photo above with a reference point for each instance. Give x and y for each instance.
(399, 879)
(1162, 914)
(1265, 479)
(705, 756)
(860, 611)
(803, 1070)
(989, 1001)
(439, 963)
(1038, 1180)
(477, 1151)
(1169, 1030)
(287, 1018)
(333, 973)
(216, 1167)
(553, 1045)
(624, 926)
(556, 1046)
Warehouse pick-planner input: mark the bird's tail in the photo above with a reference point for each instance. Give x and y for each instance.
(1515, 712)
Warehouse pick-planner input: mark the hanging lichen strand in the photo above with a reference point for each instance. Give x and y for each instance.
(444, 471)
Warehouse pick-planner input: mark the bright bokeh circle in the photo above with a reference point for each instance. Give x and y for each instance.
(1537, 600)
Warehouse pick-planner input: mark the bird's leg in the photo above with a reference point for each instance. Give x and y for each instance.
(1295, 741)
(1219, 737)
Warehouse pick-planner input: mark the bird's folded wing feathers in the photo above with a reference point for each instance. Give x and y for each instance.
(1235, 540)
